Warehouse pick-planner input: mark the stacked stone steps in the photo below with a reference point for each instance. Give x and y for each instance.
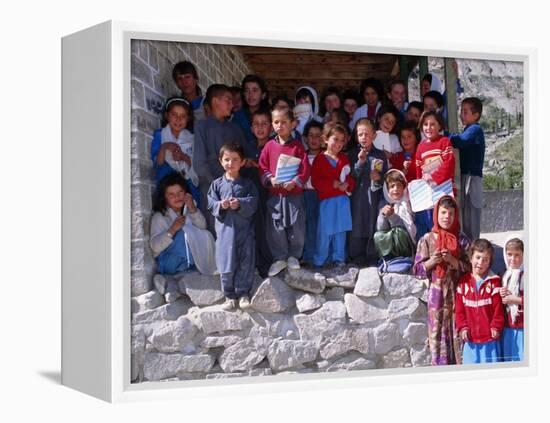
(299, 322)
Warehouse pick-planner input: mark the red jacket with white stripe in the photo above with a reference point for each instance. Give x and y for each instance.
(479, 311)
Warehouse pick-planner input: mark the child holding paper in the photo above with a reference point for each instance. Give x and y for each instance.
(284, 169)
(434, 162)
(330, 176)
(368, 166)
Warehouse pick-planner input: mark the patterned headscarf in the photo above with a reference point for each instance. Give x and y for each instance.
(447, 239)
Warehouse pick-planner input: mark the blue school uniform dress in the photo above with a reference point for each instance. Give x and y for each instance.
(235, 243)
(334, 208)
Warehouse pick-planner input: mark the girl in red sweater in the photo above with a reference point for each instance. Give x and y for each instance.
(330, 176)
(479, 313)
(434, 162)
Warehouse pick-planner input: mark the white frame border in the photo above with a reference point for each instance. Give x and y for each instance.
(121, 388)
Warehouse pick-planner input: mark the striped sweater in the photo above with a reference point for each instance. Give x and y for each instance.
(428, 150)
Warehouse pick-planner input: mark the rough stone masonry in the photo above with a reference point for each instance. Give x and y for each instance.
(299, 322)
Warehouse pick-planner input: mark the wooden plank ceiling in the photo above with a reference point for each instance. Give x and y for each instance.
(286, 69)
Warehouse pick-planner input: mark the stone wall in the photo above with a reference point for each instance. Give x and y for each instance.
(502, 211)
(152, 84)
(299, 322)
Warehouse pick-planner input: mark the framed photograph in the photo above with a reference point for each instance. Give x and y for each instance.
(282, 267)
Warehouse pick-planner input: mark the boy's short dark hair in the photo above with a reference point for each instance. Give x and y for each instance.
(395, 177)
(416, 105)
(262, 112)
(437, 97)
(514, 244)
(312, 124)
(232, 147)
(181, 68)
(235, 89)
(410, 125)
(351, 94)
(475, 103)
(215, 90)
(284, 99)
(481, 245)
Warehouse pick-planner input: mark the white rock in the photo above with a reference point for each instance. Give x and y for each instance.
(175, 336)
(353, 361)
(307, 302)
(287, 354)
(329, 320)
(368, 282)
(161, 366)
(364, 311)
(420, 355)
(305, 280)
(147, 301)
(356, 338)
(216, 320)
(386, 337)
(273, 325)
(244, 355)
(220, 341)
(394, 359)
(343, 279)
(399, 285)
(203, 290)
(407, 308)
(273, 296)
(415, 333)
(166, 312)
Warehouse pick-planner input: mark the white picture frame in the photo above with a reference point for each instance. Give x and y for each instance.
(96, 303)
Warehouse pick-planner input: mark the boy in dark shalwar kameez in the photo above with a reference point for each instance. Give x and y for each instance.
(233, 200)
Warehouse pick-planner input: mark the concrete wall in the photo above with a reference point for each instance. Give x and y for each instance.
(502, 211)
(152, 84)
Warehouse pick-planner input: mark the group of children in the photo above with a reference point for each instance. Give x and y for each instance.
(280, 186)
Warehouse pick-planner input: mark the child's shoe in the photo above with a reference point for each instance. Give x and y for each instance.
(277, 267)
(244, 302)
(293, 264)
(229, 304)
